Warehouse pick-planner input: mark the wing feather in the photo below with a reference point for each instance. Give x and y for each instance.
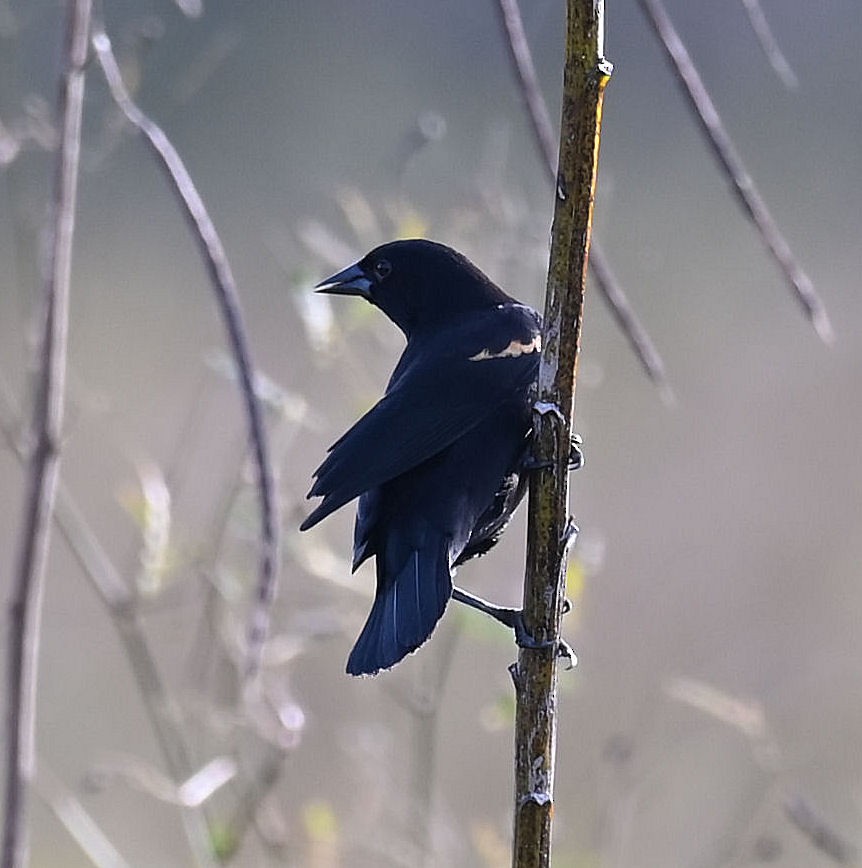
(434, 399)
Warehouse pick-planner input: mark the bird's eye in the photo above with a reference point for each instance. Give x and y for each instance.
(382, 269)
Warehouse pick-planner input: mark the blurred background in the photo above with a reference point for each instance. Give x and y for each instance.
(715, 716)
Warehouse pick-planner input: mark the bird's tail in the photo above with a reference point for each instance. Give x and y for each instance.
(405, 611)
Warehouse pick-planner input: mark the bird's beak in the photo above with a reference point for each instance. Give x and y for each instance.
(351, 281)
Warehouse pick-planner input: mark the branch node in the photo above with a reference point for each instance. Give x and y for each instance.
(543, 408)
(569, 535)
(561, 188)
(536, 798)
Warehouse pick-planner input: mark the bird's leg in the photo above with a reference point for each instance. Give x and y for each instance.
(576, 457)
(508, 617)
(514, 620)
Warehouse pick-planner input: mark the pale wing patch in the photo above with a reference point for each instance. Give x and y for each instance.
(515, 349)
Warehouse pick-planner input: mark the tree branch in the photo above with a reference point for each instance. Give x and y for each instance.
(549, 530)
(543, 133)
(227, 295)
(731, 161)
(25, 604)
(121, 605)
(769, 44)
(68, 809)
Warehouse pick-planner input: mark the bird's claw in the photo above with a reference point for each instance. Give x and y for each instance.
(565, 651)
(524, 639)
(531, 463)
(514, 620)
(576, 454)
(576, 457)
(570, 534)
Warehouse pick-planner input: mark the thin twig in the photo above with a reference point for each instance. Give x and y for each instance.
(160, 709)
(769, 44)
(67, 808)
(121, 604)
(543, 132)
(549, 528)
(225, 288)
(537, 108)
(819, 831)
(137, 774)
(725, 150)
(253, 793)
(632, 327)
(429, 680)
(25, 605)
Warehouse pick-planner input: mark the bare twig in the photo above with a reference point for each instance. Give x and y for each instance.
(429, 680)
(537, 108)
(822, 835)
(543, 132)
(769, 44)
(749, 718)
(67, 808)
(228, 298)
(121, 604)
(549, 529)
(726, 153)
(254, 792)
(25, 605)
(623, 312)
(139, 775)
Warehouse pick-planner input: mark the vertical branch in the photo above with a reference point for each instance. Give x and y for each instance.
(549, 528)
(24, 607)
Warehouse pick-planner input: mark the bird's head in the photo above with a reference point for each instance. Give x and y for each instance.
(417, 283)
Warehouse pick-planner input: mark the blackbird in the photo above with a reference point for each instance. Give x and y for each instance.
(440, 463)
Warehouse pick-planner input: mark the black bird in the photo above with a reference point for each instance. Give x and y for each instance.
(439, 463)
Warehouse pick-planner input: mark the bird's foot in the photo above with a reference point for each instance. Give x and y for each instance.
(576, 457)
(531, 463)
(576, 454)
(514, 620)
(524, 639)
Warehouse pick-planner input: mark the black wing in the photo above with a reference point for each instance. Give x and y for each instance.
(437, 396)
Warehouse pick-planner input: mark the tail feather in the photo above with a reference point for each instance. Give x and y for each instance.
(405, 611)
